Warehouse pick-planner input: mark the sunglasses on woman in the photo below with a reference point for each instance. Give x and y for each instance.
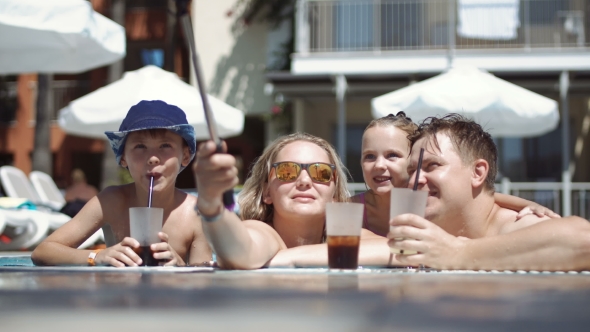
(288, 171)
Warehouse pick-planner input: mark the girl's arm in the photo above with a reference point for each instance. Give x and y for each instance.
(238, 244)
(523, 206)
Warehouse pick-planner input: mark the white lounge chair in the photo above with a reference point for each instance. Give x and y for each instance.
(16, 184)
(2, 223)
(28, 228)
(47, 190)
(49, 195)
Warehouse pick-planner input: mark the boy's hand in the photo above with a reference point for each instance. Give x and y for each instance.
(120, 255)
(164, 251)
(215, 173)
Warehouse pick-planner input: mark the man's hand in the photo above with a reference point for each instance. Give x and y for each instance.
(436, 248)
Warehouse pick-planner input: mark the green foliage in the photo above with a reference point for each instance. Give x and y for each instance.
(271, 11)
(124, 176)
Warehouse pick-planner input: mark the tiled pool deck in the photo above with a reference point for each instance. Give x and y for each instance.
(369, 299)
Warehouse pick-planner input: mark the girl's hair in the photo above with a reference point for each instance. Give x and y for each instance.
(400, 120)
(250, 198)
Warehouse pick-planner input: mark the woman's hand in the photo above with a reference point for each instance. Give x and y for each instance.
(164, 251)
(215, 173)
(120, 255)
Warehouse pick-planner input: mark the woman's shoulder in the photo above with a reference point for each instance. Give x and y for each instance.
(266, 231)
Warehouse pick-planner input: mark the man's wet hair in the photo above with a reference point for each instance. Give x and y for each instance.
(470, 140)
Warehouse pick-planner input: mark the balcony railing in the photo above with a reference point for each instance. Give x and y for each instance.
(548, 194)
(66, 91)
(396, 25)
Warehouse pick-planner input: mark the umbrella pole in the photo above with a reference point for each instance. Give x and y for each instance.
(42, 159)
(110, 174)
(566, 177)
(341, 87)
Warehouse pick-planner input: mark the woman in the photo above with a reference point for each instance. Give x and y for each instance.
(384, 160)
(282, 204)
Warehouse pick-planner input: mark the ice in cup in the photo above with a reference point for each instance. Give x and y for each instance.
(343, 228)
(405, 200)
(145, 224)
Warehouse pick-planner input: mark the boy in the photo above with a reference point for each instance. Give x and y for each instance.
(154, 140)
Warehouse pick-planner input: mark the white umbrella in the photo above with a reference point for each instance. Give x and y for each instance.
(104, 109)
(502, 108)
(56, 36)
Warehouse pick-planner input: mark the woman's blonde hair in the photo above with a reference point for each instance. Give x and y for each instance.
(251, 196)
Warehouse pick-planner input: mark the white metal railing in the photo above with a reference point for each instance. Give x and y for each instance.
(548, 194)
(66, 91)
(391, 25)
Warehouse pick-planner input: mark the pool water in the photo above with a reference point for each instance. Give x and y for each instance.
(24, 260)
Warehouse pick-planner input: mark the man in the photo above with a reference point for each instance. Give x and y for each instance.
(463, 228)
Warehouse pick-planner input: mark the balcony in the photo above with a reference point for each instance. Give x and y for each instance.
(409, 36)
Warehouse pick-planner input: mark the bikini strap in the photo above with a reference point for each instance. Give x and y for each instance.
(365, 221)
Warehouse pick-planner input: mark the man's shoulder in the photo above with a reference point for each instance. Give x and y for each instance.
(505, 220)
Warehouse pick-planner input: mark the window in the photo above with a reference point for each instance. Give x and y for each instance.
(152, 57)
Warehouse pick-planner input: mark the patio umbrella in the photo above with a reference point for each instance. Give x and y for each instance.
(104, 109)
(56, 36)
(502, 108)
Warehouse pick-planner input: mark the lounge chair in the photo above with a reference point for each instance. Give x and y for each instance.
(16, 184)
(50, 195)
(47, 190)
(27, 228)
(2, 223)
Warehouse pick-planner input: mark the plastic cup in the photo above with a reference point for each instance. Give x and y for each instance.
(405, 200)
(343, 227)
(145, 224)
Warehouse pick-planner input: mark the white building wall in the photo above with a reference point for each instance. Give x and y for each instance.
(233, 56)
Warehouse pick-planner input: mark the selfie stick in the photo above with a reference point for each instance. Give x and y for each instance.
(187, 28)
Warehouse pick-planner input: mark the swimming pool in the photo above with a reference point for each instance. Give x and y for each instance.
(15, 260)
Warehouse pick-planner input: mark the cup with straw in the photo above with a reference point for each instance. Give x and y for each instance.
(405, 200)
(145, 223)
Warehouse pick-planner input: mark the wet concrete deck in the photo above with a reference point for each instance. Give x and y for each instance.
(150, 299)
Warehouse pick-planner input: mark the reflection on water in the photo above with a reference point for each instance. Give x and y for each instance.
(397, 285)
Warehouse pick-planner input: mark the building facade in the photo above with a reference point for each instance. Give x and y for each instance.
(381, 46)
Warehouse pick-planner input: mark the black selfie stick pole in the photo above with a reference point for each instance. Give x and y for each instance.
(187, 28)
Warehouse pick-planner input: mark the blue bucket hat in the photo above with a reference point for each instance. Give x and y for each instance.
(153, 114)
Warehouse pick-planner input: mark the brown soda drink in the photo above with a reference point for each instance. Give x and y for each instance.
(147, 256)
(343, 252)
